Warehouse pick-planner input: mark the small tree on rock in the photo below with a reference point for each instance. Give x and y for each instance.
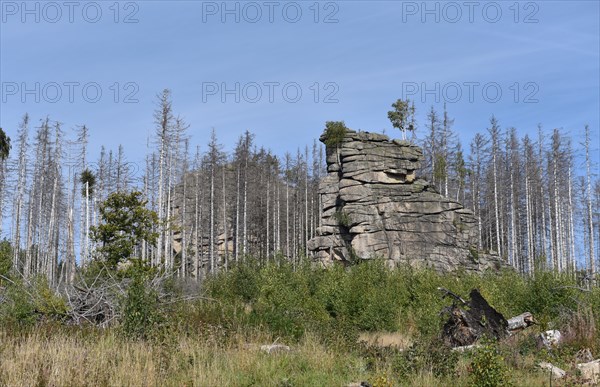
(335, 131)
(402, 117)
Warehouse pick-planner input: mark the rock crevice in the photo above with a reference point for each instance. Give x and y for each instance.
(374, 206)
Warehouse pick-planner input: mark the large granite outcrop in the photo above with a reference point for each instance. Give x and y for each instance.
(374, 206)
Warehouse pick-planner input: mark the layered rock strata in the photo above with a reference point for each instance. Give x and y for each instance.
(374, 206)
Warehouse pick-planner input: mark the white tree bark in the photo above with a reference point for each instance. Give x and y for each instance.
(588, 166)
(20, 190)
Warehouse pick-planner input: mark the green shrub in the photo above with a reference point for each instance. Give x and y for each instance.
(6, 256)
(338, 302)
(26, 303)
(342, 218)
(334, 133)
(370, 297)
(474, 254)
(432, 355)
(488, 368)
(239, 284)
(421, 300)
(18, 308)
(48, 302)
(142, 317)
(287, 302)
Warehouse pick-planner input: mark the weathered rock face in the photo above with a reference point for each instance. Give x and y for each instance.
(374, 206)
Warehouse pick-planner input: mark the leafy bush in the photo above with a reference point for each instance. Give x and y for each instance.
(370, 297)
(488, 368)
(26, 303)
(291, 302)
(239, 284)
(17, 309)
(142, 315)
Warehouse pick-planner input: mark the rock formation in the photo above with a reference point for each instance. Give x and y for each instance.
(374, 206)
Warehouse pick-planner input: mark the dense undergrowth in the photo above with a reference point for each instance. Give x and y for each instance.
(206, 334)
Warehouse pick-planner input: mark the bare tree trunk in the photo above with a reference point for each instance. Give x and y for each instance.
(528, 205)
(48, 256)
(225, 236)
(197, 221)
(571, 237)
(163, 118)
(82, 139)
(71, 231)
(48, 263)
(542, 196)
(146, 196)
(20, 191)
(494, 131)
(70, 266)
(287, 208)
(245, 240)
(212, 217)
(445, 138)
(3, 173)
(36, 200)
(306, 233)
(278, 244)
(513, 224)
(237, 216)
(267, 252)
(29, 244)
(557, 224)
(184, 242)
(590, 216)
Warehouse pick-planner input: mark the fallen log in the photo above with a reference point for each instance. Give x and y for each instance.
(520, 322)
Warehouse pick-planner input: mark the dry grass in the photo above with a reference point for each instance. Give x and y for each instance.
(107, 360)
(65, 358)
(386, 339)
(580, 330)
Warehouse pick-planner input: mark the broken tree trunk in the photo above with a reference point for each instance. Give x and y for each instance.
(520, 322)
(470, 320)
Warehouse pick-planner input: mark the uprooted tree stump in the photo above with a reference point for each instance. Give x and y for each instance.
(470, 320)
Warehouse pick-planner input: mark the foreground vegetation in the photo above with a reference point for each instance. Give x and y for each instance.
(344, 325)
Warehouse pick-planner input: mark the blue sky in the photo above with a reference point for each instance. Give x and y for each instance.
(543, 57)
